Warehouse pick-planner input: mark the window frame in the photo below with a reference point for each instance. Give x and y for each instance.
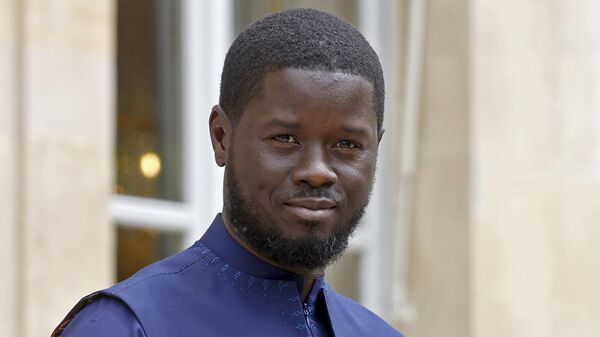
(203, 23)
(384, 266)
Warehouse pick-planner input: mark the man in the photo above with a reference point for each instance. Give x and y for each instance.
(297, 129)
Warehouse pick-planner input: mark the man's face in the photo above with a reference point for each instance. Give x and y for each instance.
(300, 166)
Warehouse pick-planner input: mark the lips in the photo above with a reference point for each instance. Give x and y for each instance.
(311, 209)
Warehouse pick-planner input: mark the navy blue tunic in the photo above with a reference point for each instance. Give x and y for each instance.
(218, 288)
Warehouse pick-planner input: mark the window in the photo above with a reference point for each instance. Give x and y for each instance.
(148, 100)
(168, 189)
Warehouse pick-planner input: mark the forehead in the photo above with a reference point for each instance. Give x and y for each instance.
(303, 92)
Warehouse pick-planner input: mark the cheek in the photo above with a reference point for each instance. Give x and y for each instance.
(358, 179)
(272, 164)
(261, 171)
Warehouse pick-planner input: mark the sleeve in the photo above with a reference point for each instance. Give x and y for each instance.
(105, 317)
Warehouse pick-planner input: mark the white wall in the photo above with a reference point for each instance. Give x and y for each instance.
(439, 273)
(56, 132)
(507, 208)
(9, 160)
(535, 107)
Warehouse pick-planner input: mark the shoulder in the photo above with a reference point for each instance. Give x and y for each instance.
(360, 318)
(124, 308)
(105, 316)
(161, 275)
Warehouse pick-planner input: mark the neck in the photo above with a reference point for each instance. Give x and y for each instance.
(306, 288)
(309, 276)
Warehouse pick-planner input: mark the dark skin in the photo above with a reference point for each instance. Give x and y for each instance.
(304, 128)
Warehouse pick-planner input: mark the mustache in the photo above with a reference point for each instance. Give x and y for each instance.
(312, 192)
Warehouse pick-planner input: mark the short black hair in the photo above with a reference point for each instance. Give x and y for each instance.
(297, 38)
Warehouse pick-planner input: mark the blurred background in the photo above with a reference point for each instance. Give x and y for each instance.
(485, 220)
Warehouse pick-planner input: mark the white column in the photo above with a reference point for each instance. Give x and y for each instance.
(536, 159)
(9, 168)
(439, 254)
(66, 122)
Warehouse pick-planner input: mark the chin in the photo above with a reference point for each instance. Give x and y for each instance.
(302, 228)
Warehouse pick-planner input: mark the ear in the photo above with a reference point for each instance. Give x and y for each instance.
(220, 134)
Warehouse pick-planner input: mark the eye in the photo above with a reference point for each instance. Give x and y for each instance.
(347, 144)
(285, 139)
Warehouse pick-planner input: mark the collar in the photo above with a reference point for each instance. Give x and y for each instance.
(220, 242)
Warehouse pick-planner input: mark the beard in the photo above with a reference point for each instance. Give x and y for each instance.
(312, 252)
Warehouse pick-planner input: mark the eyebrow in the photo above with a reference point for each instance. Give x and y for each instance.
(359, 130)
(353, 129)
(284, 123)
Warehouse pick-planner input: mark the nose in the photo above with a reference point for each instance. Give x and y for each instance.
(314, 169)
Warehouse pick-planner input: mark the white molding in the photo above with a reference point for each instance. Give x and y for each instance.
(402, 308)
(150, 213)
(206, 34)
(376, 254)
(385, 249)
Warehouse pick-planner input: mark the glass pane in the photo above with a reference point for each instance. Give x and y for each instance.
(139, 247)
(148, 105)
(247, 12)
